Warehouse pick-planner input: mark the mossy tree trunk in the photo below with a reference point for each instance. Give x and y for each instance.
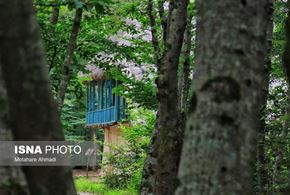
(222, 126)
(262, 165)
(184, 72)
(160, 171)
(32, 111)
(286, 131)
(12, 180)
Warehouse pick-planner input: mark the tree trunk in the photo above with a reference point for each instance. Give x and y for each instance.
(93, 157)
(221, 131)
(53, 22)
(163, 18)
(160, 171)
(183, 80)
(33, 113)
(54, 14)
(263, 176)
(277, 168)
(68, 58)
(155, 41)
(286, 64)
(12, 180)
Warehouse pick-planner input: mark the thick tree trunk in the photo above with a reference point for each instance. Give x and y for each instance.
(68, 58)
(221, 131)
(12, 180)
(263, 176)
(33, 113)
(160, 171)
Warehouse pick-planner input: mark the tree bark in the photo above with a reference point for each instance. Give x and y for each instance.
(263, 176)
(53, 21)
(160, 171)
(155, 41)
(183, 80)
(54, 14)
(221, 131)
(68, 57)
(33, 112)
(163, 18)
(286, 65)
(277, 168)
(12, 180)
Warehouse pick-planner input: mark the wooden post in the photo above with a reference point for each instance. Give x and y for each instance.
(99, 95)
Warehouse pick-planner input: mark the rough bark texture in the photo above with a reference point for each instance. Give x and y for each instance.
(221, 131)
(263, 176)
(286, 131)
(33, 113)
(163, 18)
(160, 171)
(183, 80)
(12, 180)
(155, 41)
(68, 57)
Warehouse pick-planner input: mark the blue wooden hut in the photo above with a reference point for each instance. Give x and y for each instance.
(104, 108)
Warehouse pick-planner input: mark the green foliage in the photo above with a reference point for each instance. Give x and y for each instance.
(127, 160)
(122, 162)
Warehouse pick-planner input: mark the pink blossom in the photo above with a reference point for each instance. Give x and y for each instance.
(133, 22)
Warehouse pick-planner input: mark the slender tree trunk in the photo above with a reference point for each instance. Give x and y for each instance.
(163, 18)
(68, 58)
(150, 166)
(277, 167)
(263, 175)
(93, 139)
(286, 64)
(54, 14)
(155, 41)
(12, 180)
(160, 171)
(221, 131)
(183, 80)
(53, 21)
(33, 113)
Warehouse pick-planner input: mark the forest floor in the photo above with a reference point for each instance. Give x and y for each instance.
(93, 184)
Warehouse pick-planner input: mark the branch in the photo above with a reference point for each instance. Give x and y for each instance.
(152, 21)
(162, 18)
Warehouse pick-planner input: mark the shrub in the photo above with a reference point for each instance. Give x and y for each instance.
(127, 161)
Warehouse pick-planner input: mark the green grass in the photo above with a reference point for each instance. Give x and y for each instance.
(87, 185)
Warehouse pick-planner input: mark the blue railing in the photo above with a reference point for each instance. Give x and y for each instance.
(103, 117)
(104, 107)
